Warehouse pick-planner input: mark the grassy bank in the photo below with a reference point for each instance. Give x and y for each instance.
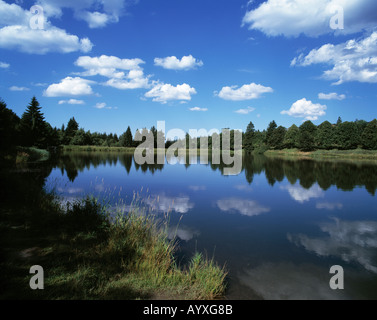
(87, 255)
(97, 149)
(357, 154)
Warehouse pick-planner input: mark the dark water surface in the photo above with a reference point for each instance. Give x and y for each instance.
(278, 226)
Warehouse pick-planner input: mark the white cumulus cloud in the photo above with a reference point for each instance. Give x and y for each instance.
(163, 93)
(306, 109)
(312, 17)
(246, 92)
(16, 34)
(173, 63)
(353, 60)
(69, 87)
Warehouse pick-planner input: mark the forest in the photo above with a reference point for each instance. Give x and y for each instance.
(32, 129)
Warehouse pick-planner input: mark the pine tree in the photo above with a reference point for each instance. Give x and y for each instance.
(71, 130)
(249, 136)
(33, 126)
(325, 136)
(270, 130)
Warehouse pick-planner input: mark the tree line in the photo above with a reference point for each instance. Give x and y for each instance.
(33, 130)
(345, 135)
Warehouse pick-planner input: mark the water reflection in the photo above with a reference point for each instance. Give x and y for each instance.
(351, 241)
(165, 203)
(243, 206)
(307, 173)
(301, 194)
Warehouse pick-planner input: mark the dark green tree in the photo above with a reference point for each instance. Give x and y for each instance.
(71, 130)
(325, 137)
(291, 137)
(369, 136)
(276, 140)
(346, 136)
(270, 130)
(307, 133)
(33, 126)
(126, 139)
(249, 137)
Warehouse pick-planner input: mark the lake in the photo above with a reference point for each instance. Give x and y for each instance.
(278, 226)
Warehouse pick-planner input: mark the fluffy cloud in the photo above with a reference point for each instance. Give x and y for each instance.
(164, 203)
(354, 60)
(166, 92)
(198, 109)
(27, 40)
(71, 101)
(15, 88)
(246, 92)
(306, 109)
(123, 73)
(245, 111)
(16, 34)
(349, 240)
(69, 87)
(301, 194)
(245, 207)
(311, 17)
(173, 63)
(331, 96)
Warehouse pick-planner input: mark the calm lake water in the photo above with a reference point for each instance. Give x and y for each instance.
(278, 226)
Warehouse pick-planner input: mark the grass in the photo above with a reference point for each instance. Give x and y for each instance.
(356, 154)
(88, 253)
(97, 149)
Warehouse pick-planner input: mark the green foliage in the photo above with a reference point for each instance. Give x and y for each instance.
(324, 138)
(270, 130)
(369, 136)
(33, 126)
(347, 136)
(276, 140)
(307, 133)
(126, 140)
(249, 137)
(291, 137)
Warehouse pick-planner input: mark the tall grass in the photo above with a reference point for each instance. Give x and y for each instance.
(87, 252)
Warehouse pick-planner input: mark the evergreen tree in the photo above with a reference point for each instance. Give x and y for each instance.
(307, 133)
(270, 130)
(369, 136)
(71, 130)
(325, 136)
(291, 137)
(33, 126)
(249, 136)
(346, 136)
(276, 140)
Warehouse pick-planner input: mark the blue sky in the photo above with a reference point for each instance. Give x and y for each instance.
(195, 64)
